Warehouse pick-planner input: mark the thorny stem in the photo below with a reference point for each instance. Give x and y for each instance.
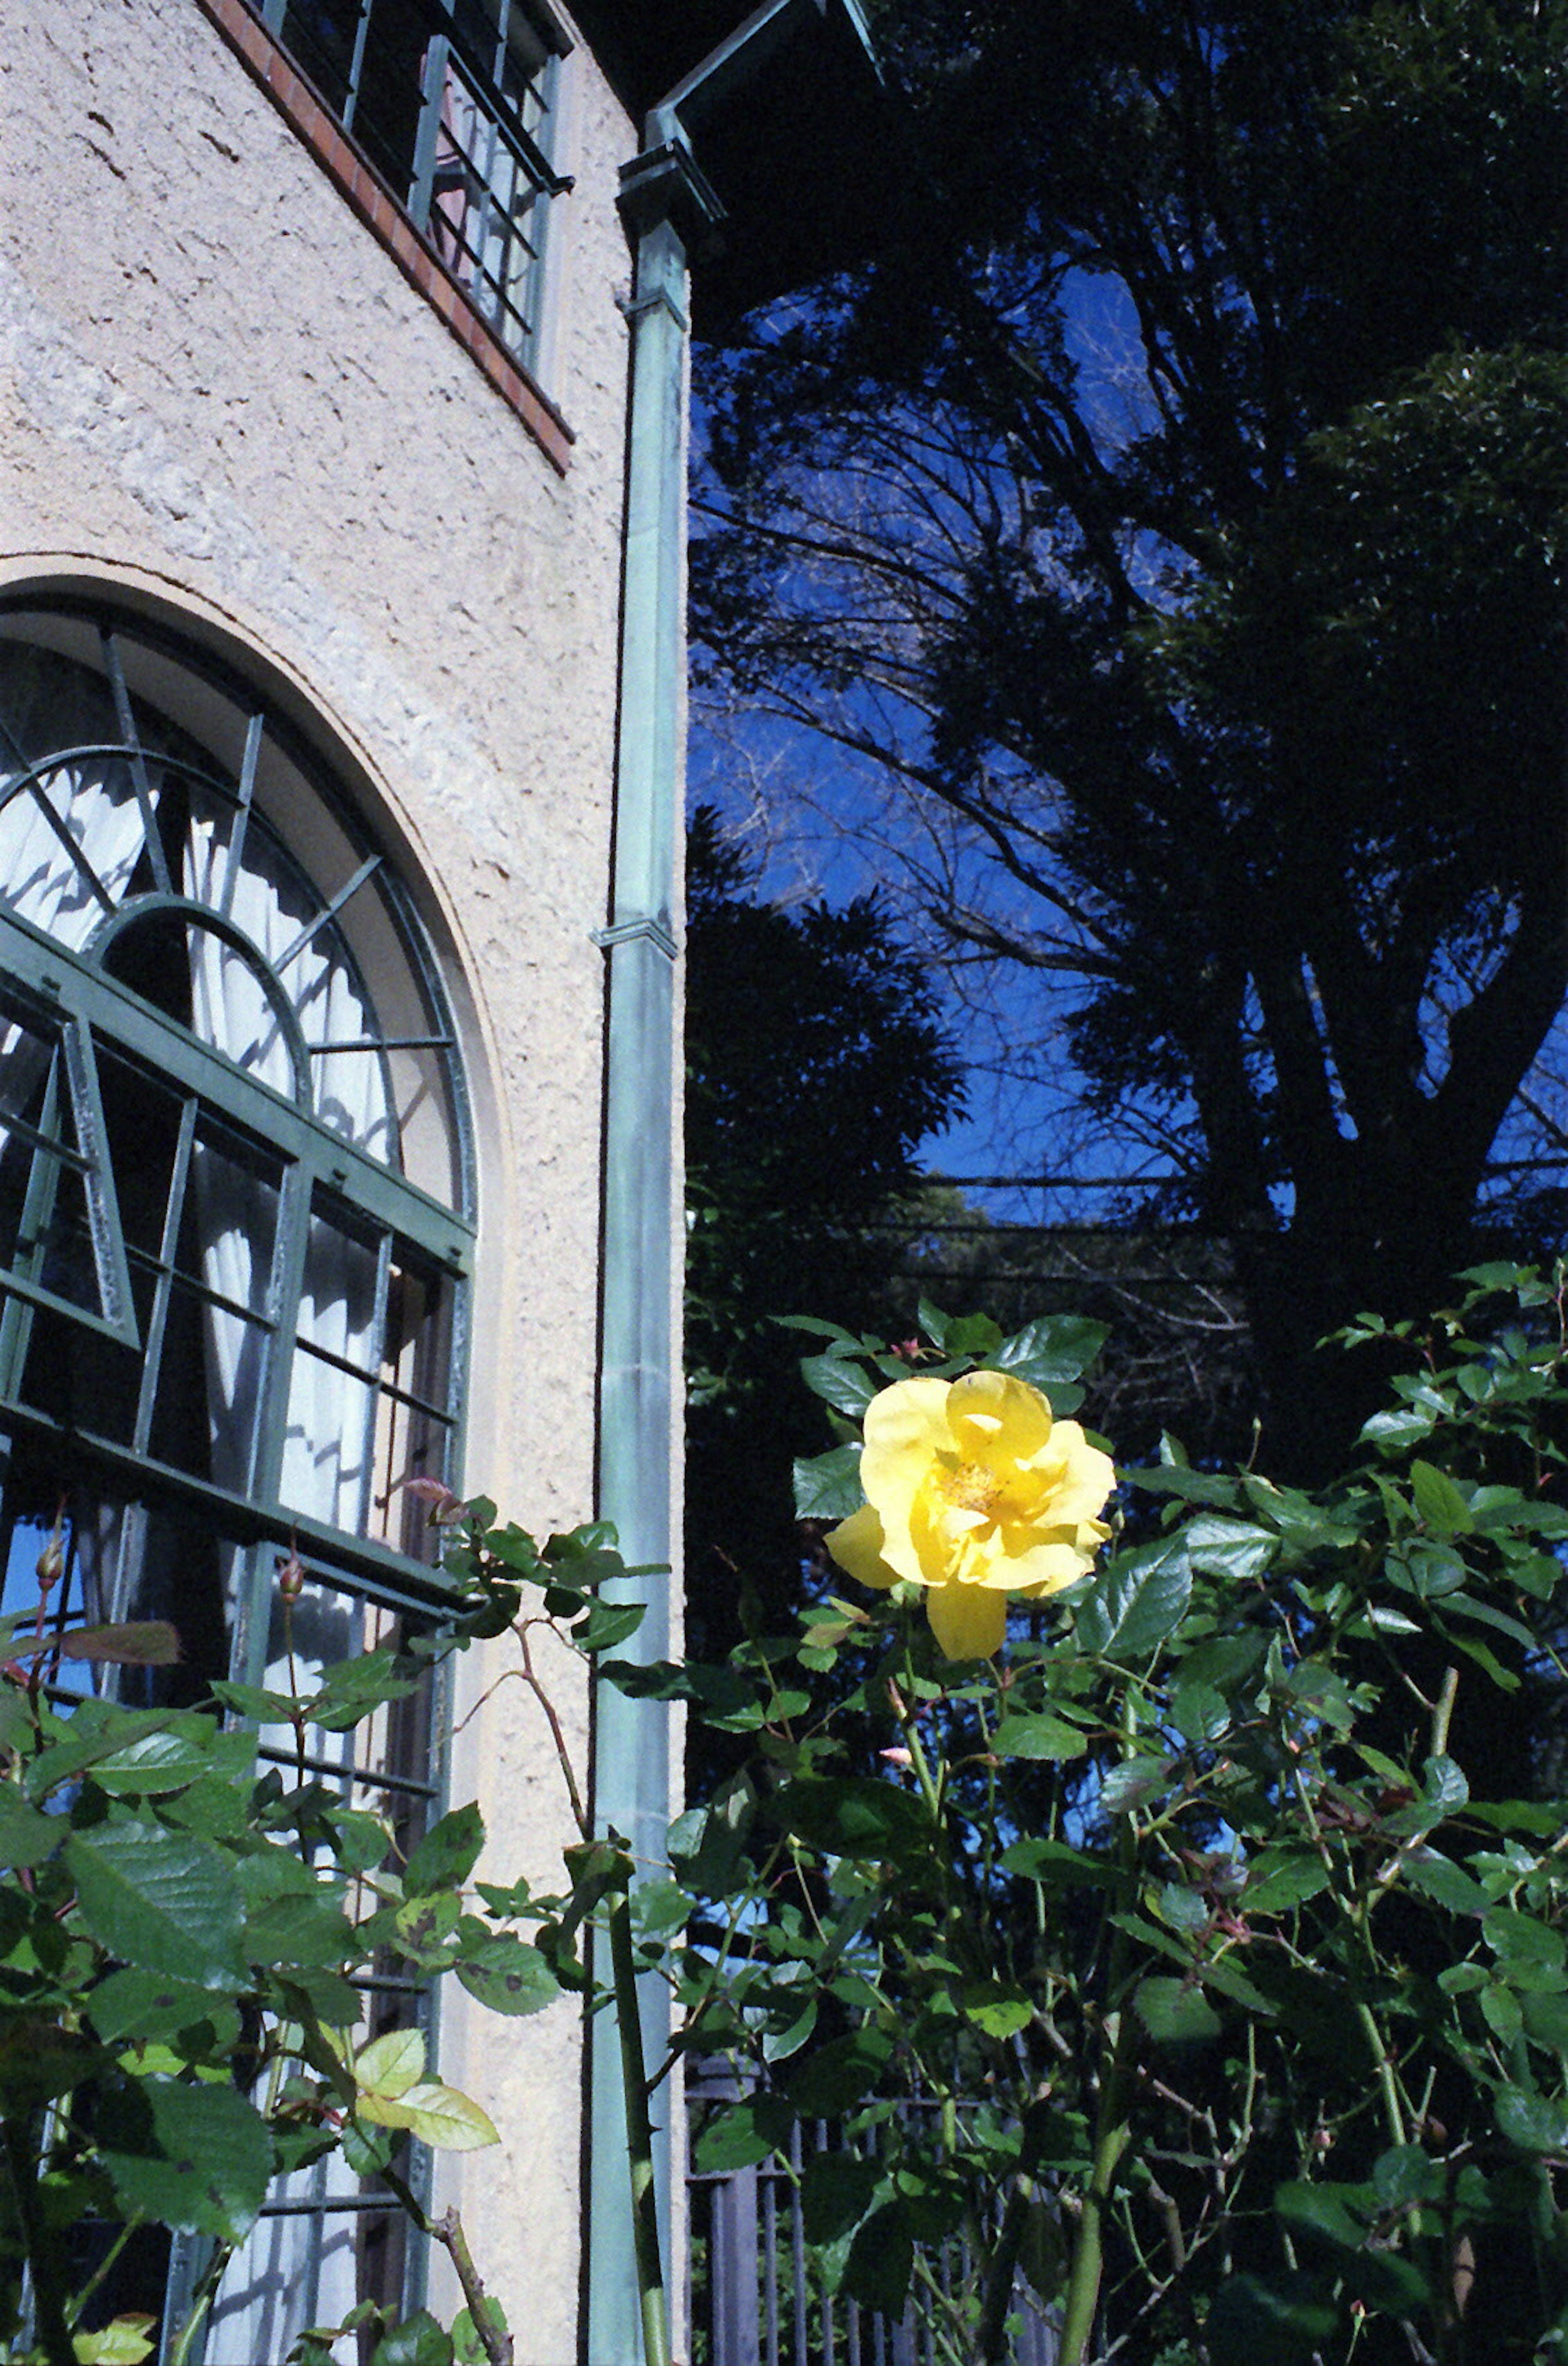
(105, 2267)
(579, 1813)
(496, 2342)
(447, 2230)
(931, 2326)
(992, 2336)
(1443, 1712)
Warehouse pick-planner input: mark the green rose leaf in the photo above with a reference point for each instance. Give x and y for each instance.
(509, 1975)
(739, 2134)
(707, 1845)
(1287, 2321)
(446, 1856)
(1175, 2012)
(195, 2156)
(299, 1931)
(839, 1382)
(160, 1900)
(1532, 2121)
(1277, 1882)
(1135, 1601)
(437, 2115)
(881, 2261)
(1058, 1347)
(97, 1729)
(1438, 1500)
(1404, 1427)
(40, 2060)
(1057, 1864)
(1544, 2013)
(1230, 1549)
(1038, 1737)
(835, 2194)
(27, 1836)
(417, 2341)
(851, 1815)
(148, 2005)
(828, 1486)
(827, 2082)
(122, 2343)
(1438, 1877)
(352, 1691)
(1000, 2012)
(605, 1624)
(1133, 1784)
(1328, 2211)
(1406, 2174)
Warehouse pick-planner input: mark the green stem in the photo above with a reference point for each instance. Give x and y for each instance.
(916, 1757)
(1110, 2134)
(201, 2301)
(639, 2138)
(992, 2340)
(1392, 2109)
(1113, 2117)
(48, 2303)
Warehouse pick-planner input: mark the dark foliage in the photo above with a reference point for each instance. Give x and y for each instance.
(1176, 515)
(815, 1066)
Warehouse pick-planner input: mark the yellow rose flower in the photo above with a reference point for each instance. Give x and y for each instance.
(973, 1490)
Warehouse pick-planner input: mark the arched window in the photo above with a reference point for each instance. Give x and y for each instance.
(236, 1228)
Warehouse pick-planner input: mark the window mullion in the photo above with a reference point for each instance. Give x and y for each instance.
(103, 1205)
(163, 1288)
(138, 761)
(376, 1362)
(356, 65)
(241, 819)
(421, 194)
(16, 1324)
(285, 1286)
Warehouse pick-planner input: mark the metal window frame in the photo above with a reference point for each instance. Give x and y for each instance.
(514, 322)
(67, 997)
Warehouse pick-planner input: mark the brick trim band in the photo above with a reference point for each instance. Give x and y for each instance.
(380, 212)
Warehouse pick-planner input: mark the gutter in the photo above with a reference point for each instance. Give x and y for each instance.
(667, 203)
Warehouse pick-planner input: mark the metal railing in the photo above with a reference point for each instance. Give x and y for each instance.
(753, 2298)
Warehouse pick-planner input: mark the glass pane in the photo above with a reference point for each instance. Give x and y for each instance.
(142, 1114)
(392, 80)
(124, 1557)
(322, 34)
(383, 1762)
(229, 1245)
(413, 1427)
(326, 1451)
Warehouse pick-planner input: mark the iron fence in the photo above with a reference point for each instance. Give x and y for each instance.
(755, 2299)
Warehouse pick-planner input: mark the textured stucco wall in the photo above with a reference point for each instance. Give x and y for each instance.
(221, 393)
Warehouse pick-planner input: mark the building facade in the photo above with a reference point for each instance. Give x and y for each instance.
(342, 345)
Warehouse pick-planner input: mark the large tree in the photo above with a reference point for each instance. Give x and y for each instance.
(1171, 519)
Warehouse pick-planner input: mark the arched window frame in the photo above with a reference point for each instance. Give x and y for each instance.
(84, 1016)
